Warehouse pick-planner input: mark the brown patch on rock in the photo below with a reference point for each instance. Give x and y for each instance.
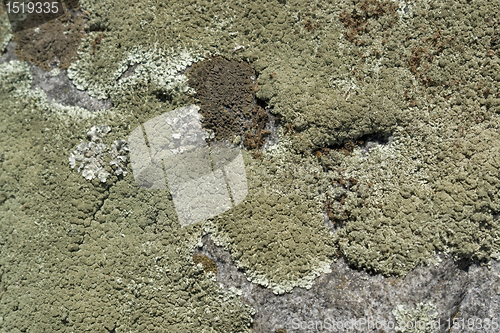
(334, 206)
(356, 21)
(55, 44)
(207, 263)
(96, 42)
(349, 146)
(421, 57)
(256, 134)
(309, 26)
(225, 90)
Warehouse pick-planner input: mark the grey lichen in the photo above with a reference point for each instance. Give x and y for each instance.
(421, 319)
(163, 66)
(92, 156)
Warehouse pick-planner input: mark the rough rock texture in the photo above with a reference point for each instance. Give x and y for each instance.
(454, 289)
(482, 300)
(60, 89)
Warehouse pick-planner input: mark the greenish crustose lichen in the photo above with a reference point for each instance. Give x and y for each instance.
(408, 202)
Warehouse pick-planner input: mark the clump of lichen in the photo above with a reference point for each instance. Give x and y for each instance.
(116, 240)
(277, 234)
(209, 266)
(421, 319)
(401, 75)
(225, 90)
(54, 43)
(136, 66)
(428, 189)
(92, 156)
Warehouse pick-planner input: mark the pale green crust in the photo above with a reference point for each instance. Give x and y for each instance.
(101, 255)
(278, 233)
(432, 187)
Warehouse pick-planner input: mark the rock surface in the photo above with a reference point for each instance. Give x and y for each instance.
(458, 291)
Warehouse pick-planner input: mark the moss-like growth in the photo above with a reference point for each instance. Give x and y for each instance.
(208, 264)
(225, 90)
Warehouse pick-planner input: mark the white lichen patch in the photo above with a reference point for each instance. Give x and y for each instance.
(163, 67)
(92, 156)
(17, 74)
(421, 319)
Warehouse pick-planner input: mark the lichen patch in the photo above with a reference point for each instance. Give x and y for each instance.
(54, 43)
(226, 90)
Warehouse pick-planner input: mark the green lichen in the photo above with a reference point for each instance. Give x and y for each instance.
(397, 78)
(431, 188)
(90, 255)
(421, 319)
(277, 235)
(430, 79)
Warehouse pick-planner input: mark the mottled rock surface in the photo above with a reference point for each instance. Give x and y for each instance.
(458, 291)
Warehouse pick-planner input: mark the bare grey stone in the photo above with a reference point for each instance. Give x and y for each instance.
(60, 89)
